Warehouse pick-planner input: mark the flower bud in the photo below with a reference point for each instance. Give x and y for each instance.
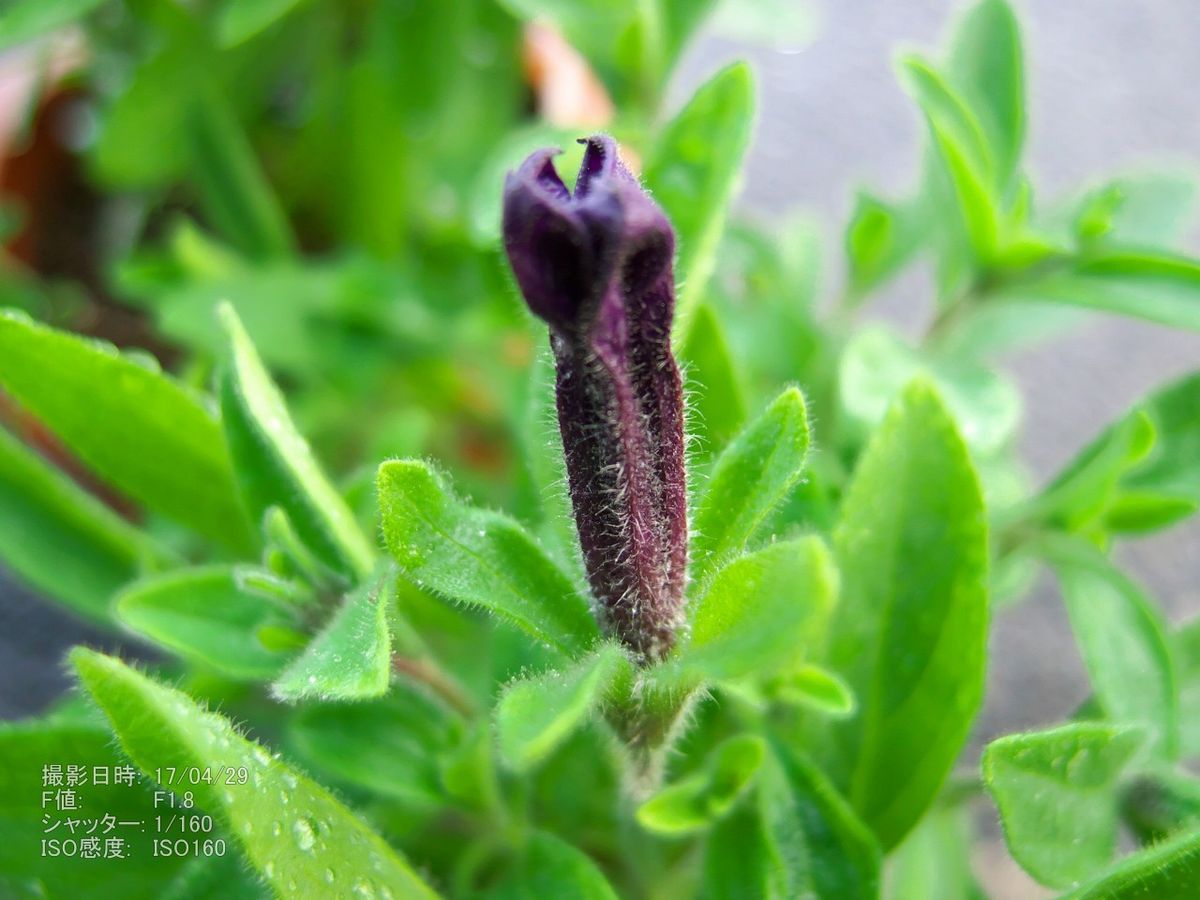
(596, 265)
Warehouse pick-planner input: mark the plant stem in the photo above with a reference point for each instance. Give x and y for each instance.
(429, 674)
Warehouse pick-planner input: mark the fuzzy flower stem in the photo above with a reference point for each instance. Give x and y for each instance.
(597, 267)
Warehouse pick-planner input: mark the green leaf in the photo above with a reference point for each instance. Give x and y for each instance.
(240, 20)
(1123, 641)
(1140, 512)
(934, 862)
(707, 796)
(535, 715)
(881, 237)
(1056, 792)
(61, 539)
(478, 557)
(798, 839)
(1167, 871)
(143, 140)
(26, 20)
(749, 480)
(389, 746)
(302, 315)
(679, 21)
(275, 466)
(876, 364)
(1185, 646)
(818, 689)
(550, 867)
(161, 728)
(1147, 209)
(985, 65)
(1171, 467)
(693, 169)
(98, 401)
(233, 188)
(1088, 484)
(351, 659)
(206, 616)
(1145, 284)
(1142, 473)
(717, 404)
(911, 647)
(25, 748)
(962, 147)
(762, 612)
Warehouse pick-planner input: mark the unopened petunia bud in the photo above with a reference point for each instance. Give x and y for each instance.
(597, 267)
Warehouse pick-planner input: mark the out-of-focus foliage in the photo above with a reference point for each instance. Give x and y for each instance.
(332, 492)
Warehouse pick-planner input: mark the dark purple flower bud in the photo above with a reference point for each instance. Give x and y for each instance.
(597, 267)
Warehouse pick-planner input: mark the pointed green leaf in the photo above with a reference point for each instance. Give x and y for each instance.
(1167, 871)
(986, 66)
(61, 539)
(881, 237)
(275, 466)
(162, 728)
(351, 659)
(1123, 640)
(1056, 792)
(965, 155)
(707, 796)
(817, 688)
(1171, 468)
(1142, 472)
(717, 407)
(912, 647)
(98, 401)
(749, 480)
(1142, 512)
(1142, 209)
(535, 715)
(763, 612)
(692, 171)
(204, 615)
(475, 556)
(798, 839)
(1088, 484)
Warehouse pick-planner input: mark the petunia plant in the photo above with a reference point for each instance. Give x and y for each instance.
(618, 565)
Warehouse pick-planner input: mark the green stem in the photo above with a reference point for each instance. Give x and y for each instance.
(426, 672)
